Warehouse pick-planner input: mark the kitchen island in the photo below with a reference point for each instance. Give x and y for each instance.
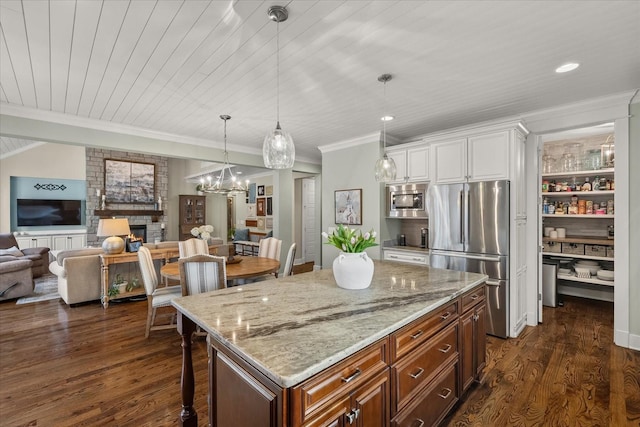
(301, 351)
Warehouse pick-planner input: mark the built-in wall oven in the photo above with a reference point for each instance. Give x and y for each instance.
(407, 201)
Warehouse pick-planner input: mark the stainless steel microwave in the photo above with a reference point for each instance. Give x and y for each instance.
(407, 201)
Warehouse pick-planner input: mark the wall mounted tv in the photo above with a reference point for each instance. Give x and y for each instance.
(44, 212)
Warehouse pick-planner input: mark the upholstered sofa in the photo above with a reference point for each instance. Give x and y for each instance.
(16, 279)
(9, 252)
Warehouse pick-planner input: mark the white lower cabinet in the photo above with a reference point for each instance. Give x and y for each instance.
(421, 258)
(71, 241)
(55, 242)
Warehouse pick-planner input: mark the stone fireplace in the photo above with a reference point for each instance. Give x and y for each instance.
(139, 215)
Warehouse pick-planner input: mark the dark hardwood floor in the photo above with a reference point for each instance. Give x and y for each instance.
(85, 366)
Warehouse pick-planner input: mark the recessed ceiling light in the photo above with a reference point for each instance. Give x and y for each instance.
(387, 118)
(567, 67)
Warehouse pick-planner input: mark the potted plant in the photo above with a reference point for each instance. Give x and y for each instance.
(199, 189)
(352, 269)
(135, 283)
(120, 284)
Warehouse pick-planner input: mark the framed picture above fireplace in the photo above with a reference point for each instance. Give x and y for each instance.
(129, 182)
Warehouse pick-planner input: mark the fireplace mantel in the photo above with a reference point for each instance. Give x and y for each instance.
(107, 213)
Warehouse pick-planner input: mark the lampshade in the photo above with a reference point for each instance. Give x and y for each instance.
(385, 168)
(278, 151)
(112, 228)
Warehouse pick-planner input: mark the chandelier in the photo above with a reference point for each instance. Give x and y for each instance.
(226, 182)
(385, 168)
(278, 151)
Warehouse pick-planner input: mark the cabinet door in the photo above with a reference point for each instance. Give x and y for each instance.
(480, 345)
(489, 157)
(259, 405)
(59, 242)
(334, 416)
(466, 357)
(450, 161)
(371, 403)
(418, 164)
(23, 242)
(77, 241)
(400, 158)
(519, 177)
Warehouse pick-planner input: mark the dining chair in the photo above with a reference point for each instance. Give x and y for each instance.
(288, 265)
(202, 273)
(191, 247)
(270, 248)
(156, 297)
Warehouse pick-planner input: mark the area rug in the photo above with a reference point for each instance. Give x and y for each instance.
(46, 289)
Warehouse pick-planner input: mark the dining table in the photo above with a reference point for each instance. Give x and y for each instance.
(242, 267)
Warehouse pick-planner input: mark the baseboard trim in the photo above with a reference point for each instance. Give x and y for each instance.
(634, 342)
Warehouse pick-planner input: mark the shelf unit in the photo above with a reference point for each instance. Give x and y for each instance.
(579, 223)
(192, 213)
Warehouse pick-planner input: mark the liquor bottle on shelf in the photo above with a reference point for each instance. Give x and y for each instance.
(587, 185)
(596, 184)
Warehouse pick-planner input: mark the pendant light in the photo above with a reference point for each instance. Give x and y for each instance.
(278, 151)
(385, 167)
(227, 182)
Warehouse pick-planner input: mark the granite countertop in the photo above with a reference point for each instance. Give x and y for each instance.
(294, 327)
(417, 249)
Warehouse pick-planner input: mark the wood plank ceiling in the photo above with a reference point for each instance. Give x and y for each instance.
(175, 66)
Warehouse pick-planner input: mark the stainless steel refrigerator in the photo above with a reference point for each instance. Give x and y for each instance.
(469, 231)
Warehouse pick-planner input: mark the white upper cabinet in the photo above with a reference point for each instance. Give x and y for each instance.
(450, 161)
(412, 163)
(476, 158)
(488, 157)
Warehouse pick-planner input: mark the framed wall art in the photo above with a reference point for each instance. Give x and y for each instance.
(129, 182)
(348, 206)
(269, 205)
(260, 190)
(268, 190)
(260, 206)
(252, 193)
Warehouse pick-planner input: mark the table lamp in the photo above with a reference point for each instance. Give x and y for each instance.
(112, 228)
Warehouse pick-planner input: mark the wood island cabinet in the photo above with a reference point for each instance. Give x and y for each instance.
(411, 377)
(473, 339)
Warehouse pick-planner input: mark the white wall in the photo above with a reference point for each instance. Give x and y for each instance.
(348, 166)
(45, 160)
(634, 221)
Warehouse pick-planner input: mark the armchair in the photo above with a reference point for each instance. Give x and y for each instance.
(39, 256)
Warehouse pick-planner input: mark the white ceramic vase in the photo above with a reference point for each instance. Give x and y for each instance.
(353, 270)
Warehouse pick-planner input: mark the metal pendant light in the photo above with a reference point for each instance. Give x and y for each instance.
(278, 151)
(227, 182)
(385, 167)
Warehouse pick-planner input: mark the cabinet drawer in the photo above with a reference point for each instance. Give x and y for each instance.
(406, 339)
(433, 404)
(332, 384)
(408, 257)
(473, 297)
(415, 370)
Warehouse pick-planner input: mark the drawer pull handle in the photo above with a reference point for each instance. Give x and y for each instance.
(421, 423)
(417, 334)
(445, 393)
(353, 376)
(474, 297)
(417, 374)
(445, 316)
(445, 349)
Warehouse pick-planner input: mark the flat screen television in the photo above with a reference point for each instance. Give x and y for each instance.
(44, 212)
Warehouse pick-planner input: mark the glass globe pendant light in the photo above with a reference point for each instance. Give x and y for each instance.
(278, 151)
(385, 167)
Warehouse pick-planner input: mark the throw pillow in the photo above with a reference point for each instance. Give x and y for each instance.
(13, 251)
(241, 235)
